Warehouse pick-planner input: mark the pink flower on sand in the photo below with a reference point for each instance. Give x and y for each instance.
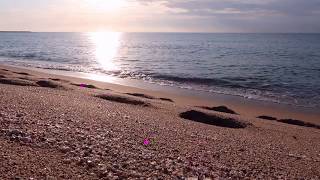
(146, 142)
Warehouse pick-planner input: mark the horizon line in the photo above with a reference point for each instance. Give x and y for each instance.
(204, 32)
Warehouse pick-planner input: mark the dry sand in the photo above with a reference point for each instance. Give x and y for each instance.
(58, 127)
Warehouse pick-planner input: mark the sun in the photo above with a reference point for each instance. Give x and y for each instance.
(106, 5)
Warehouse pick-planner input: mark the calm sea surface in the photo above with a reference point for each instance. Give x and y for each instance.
(282, 68)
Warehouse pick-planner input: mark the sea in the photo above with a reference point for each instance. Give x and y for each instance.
(280, 68)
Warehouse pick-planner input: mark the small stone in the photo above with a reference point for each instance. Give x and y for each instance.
(19, 115)
(15, 132)
(50, 140)
(80, 161)
(90, 164)
(86, 153)
(297, 156)
(64, 149)
(67, 161)
(110, 174)
(192, 178)
(101, 165)
(50, 178)
(25, 139)
(103, 174)
(3, 131)
(116, 166)
(166, 171)
(58, 126)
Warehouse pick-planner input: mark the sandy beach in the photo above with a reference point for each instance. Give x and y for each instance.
(59, 127)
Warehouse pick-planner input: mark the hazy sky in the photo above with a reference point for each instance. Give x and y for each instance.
(161, 15)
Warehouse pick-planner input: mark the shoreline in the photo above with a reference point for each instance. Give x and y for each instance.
(202, 93)
(250, 108)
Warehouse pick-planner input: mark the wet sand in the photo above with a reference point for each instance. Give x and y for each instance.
(61, 127)
(245, 107)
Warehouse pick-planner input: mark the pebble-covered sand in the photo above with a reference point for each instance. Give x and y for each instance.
(55, 129)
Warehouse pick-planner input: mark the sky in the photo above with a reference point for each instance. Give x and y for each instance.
(266, 16)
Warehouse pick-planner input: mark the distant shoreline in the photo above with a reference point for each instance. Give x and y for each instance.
(164, 32)
(15, 32)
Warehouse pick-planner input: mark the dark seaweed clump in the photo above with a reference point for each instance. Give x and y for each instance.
(267, 118)
(122, 99)
(198, 116)
(299, 123)
(223, 109)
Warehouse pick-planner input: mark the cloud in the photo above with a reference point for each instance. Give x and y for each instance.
(252, 15)
(289, 7)
(165, 15)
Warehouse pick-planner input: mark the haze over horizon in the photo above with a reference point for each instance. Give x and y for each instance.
(268, 16)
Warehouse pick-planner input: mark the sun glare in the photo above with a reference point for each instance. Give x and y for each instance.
(106, 5)
(106, 47)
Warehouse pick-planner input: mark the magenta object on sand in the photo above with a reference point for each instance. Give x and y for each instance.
(146, 142)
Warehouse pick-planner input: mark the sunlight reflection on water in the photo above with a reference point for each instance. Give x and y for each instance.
(106, 47)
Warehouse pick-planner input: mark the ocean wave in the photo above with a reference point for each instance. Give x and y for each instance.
(56, 68)
(32, 56)
(18, 55)
(200, 81)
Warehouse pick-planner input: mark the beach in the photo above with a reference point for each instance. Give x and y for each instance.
(60, 127)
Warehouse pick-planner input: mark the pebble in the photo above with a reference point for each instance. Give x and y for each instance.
(50, 140)
(64, 149)
(15, 132)
(192, 178)
(25, 139)
(19, 115)
(90, 164)
(50, 178)
(297, 156)
(67, 161)
(58, 126)
(102, 174)
(110, 174)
